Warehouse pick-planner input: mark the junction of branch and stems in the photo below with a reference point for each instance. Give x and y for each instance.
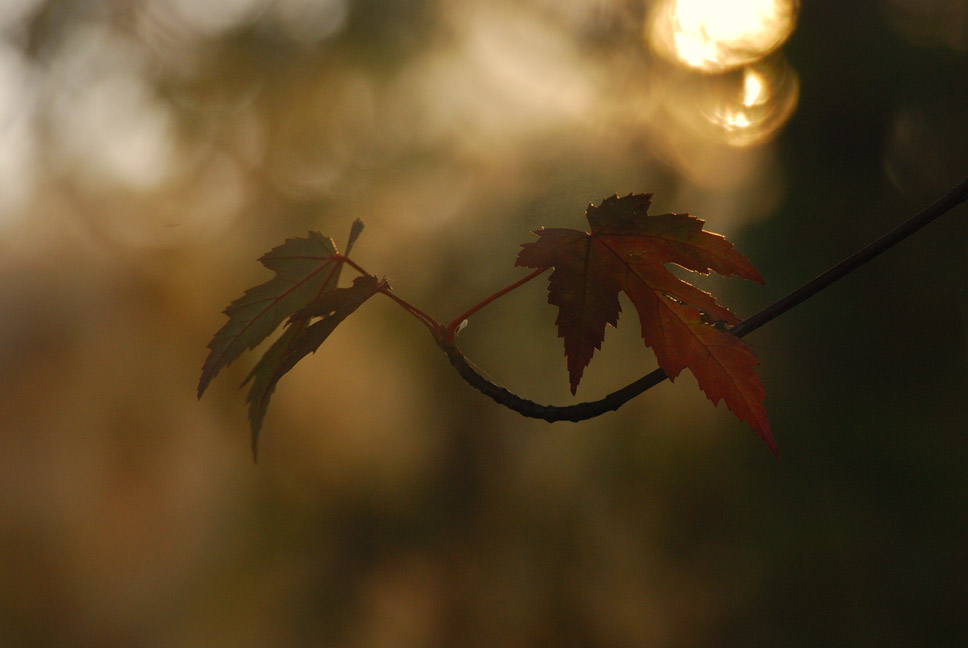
(444, 334)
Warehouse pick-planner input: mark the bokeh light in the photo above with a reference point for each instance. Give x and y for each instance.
(715, 35)
(104, 115)
(753, 104)
(18, 134)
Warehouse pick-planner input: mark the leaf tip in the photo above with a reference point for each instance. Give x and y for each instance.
(770, 443)
(575, 372)
(751, 273)
(355, 230)
(203, 382)
(761, 427)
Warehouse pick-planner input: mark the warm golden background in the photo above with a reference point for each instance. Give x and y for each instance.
(151, 150)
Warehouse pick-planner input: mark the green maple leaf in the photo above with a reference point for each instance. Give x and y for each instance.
(299, 340)
(304, 288)
(305, 269)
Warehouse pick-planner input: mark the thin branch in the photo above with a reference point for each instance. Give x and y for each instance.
(957, 195)
(550, 413)
(591, 409)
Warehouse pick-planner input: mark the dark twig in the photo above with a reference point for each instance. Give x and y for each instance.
(591, 409)
(953, 198)
(550, 413)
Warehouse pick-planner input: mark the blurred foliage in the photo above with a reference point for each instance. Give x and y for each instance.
(150, 150)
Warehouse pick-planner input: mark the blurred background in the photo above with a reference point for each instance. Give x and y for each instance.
(151, 150)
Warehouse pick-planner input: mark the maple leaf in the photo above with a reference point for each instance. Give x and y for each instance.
(626, 251)
(305, 268)
(300, 339)
(304, 288)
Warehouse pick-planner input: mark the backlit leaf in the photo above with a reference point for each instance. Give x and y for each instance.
(626, 251)
(305, 268)
(299, 340)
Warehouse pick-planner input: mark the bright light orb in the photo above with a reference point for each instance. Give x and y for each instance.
(717, 35)
(752, 113)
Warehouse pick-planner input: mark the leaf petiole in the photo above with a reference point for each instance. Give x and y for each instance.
(435, 327)
(443, 335)
(351, 263)
(451, 330)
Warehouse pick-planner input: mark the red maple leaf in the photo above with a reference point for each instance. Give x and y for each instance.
(626, 251)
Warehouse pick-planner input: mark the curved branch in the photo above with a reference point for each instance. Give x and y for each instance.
(576, 412)
(591, 409)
